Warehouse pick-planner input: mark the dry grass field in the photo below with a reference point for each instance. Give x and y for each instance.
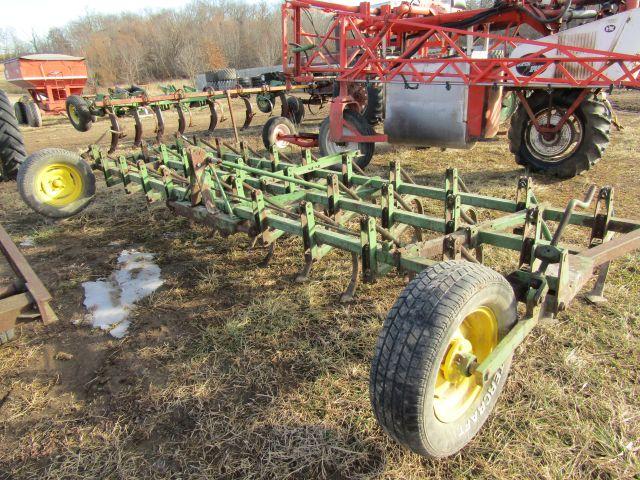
(236, 371)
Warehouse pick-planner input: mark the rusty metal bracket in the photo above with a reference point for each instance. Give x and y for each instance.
(27, 293)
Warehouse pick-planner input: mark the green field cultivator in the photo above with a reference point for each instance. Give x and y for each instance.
(445, 349)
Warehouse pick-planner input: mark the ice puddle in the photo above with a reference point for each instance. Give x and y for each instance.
(110, 301)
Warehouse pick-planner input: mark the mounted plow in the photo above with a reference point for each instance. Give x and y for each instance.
(82, 111)
(447, 344)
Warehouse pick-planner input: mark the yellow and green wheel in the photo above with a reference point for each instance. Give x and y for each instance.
(56, 183)
(447, 321)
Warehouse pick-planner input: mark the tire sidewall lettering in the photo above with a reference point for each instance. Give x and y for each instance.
(480, 410)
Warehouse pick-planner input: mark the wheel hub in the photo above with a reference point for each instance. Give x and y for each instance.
(554, 146)
(59, 185)
(456, 389)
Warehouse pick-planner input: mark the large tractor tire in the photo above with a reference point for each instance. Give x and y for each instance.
(422, 389)
(79, 113)
(577, 147)
(226, 78)
(12, 151)
(56, 183)
(357, 124)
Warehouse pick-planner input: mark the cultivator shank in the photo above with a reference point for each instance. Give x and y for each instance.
(183, 101)
(320, 199)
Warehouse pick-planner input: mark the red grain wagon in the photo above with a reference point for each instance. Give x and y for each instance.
(49, 79)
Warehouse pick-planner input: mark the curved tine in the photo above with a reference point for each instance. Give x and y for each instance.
(182, 121)
(138, 138)
(348, 294)
(115, 132)
(249, 113)
(159, 123)
(303, 275)
(190, 115)
(285, 105)
(267, 259)
(213, 122)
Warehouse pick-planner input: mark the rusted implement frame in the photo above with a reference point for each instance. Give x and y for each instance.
(320, 200)
(182, 101)
(27, 295)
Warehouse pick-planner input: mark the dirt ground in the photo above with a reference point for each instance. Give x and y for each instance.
(236, 371)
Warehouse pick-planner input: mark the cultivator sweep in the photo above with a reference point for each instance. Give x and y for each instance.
(447, 344)
(82, 111)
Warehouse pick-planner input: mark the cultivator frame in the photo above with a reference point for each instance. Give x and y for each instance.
(183, 100)
(234, 191)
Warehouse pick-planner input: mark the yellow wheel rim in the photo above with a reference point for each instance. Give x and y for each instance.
(73, 113)
(59, 184)
(455, 391)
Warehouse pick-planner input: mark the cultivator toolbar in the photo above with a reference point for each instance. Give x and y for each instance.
(82, 111)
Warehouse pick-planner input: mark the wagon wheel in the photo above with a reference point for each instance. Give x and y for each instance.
(446, 321)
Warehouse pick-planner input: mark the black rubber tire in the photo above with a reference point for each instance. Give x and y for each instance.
(414, 340)
(137, 91)
(35, 163)
(257, 82)
(296, 110)
(596, 126)
(34, 117)
(271, 130)
(85, 119)
(373, 111)
(12, 151)
(7, 336)
(20, 112)
(226, 74)
(361, 125)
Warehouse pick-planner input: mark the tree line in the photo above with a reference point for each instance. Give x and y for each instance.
(161, 45)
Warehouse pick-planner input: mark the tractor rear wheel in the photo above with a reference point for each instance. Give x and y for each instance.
(56, 183)
(449, 317)
(12, 151)
(277, 126)
(79, 113)
(578, 145)
(356, 124)
(33, 115)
